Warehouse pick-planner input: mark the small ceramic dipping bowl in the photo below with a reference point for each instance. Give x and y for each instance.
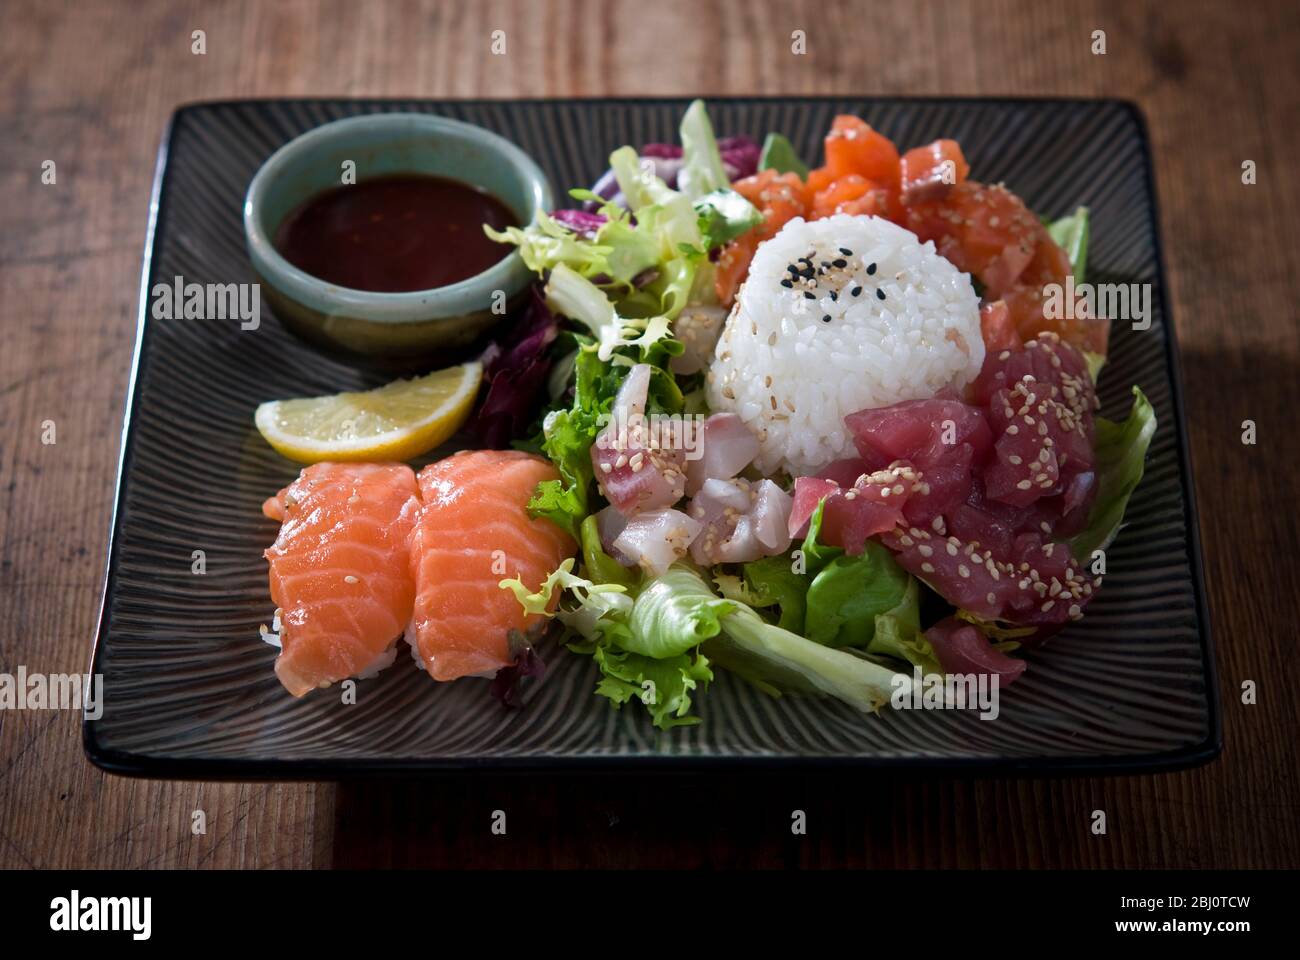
(394, 328)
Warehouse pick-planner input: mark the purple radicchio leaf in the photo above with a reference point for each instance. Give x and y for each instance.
(507, 685)
(740, 156)
(582, 222)
(516, 375)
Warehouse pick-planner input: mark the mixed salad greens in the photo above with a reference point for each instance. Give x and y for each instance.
(815, 619)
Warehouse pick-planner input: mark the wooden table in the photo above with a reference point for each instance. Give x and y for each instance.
(90, 86)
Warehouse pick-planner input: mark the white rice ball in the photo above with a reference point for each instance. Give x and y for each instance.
(792, 366)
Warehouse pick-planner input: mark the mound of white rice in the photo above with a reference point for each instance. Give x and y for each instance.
(793, 365)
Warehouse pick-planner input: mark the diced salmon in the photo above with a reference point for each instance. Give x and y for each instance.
(929, 172)
(839, 194)
(853, 146)
(780, 198)
(733, 265)
(767, 188)
(819, 179)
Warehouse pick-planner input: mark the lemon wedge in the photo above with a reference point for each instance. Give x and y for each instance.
(397, 421)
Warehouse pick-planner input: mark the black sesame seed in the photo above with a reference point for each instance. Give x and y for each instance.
(856, 291)
(834, 296)
(808, 295)
(871, 269)
(809, 273)
(826, 318)
(787, 284)
(880, 294)
(792, 268)
(846, 251)
(839, 263)
(825, 264)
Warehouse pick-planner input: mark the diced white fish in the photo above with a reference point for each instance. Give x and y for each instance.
(741, 521)
(657, 538)
(726, 445)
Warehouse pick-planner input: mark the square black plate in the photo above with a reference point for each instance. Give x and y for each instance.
(188, 686)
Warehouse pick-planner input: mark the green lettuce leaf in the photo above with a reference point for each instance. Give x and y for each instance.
(671, 217)
(844, 594)
(1121, 450)
(663, 686)
(773, 582)
(571, 295)
(646, 647)
(631, 250)
(702, 171)
(815, 554)
(563, 502)
(545, 244)
(898, 635)
(567, 439)
(665, 213)
(1071, 234)
(598, 612)
(774, 659)
(599, 565)
(674, 613)
(779, 155)
(780, 661)
(847, 595)
(724, 215)
(666, 293)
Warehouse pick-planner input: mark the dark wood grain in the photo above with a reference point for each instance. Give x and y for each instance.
(90, 86)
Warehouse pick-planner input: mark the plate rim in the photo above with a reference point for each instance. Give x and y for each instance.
(226, 769)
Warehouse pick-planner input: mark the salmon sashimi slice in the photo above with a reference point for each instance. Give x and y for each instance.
(340, 570)
(473, 532)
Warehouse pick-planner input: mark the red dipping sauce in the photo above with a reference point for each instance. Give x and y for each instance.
(395, 234)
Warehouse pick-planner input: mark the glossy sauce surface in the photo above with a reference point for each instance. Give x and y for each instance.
(395, 234)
